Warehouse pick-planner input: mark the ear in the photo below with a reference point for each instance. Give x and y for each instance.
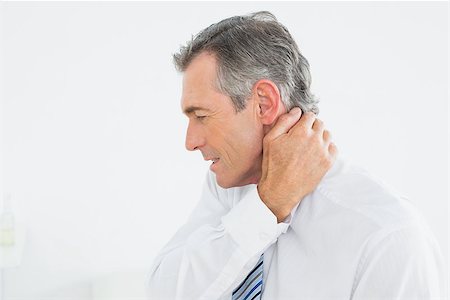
(268, 100)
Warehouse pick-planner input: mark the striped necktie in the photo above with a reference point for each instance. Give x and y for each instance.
(251, 286)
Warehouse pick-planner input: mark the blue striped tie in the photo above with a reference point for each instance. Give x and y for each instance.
(251, 287)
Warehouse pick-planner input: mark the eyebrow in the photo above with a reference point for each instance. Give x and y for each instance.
(190, 109)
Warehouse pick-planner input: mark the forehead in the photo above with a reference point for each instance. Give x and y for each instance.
(199, 80)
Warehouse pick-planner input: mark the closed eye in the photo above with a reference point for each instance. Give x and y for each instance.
(200, 117)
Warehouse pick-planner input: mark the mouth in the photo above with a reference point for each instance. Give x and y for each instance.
(215, 161)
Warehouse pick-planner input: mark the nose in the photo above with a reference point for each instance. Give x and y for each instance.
(194, 137)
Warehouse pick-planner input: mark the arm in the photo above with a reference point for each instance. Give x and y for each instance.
(220, 244)
(213, 249)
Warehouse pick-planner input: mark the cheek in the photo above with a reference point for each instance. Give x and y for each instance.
(255, 148)
(238, 140)
(248, 145)
(252, 136)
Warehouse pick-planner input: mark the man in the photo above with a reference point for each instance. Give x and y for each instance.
(280, 217)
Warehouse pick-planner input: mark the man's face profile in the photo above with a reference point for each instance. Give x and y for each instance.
(231, 141)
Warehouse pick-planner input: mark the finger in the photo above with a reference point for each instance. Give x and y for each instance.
(305, 123)
(318, 125)
(284, 123)
(332, 149)
(307, 120)
(326, 136)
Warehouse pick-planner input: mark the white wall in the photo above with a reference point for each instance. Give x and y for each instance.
(93, 135)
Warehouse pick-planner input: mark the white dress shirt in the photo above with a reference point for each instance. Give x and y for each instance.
(351, 238)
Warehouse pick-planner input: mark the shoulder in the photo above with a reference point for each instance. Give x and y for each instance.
(352, 189)
(351, 207)
(360, 217)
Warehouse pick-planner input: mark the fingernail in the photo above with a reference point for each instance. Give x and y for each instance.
(294, 110)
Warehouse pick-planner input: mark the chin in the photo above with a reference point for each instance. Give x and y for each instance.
(226, 184)
(238, 178)
(223, 183)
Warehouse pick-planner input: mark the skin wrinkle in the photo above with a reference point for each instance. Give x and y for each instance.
(252, 85)
(248, 84)
(236, 138)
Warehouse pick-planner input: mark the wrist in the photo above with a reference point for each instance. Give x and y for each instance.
(281, 211)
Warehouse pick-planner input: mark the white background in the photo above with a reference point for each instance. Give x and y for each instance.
(93, 135)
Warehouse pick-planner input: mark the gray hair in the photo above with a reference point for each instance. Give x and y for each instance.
(250, 48)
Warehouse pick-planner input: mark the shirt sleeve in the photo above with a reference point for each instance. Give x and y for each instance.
(216, 248)
(404, 264)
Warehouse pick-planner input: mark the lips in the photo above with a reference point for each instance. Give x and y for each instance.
(213, 159)
(215, 164)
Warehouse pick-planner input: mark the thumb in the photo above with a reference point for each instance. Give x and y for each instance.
(284, 123)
